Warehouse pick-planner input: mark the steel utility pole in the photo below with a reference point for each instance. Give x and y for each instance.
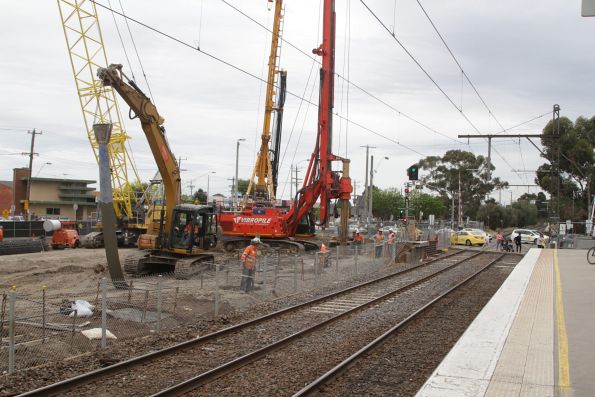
(371, 195)
(31, 154)
(366, 186)
(235, 185)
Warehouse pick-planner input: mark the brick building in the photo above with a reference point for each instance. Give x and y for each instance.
(53, 198)
(5, 196)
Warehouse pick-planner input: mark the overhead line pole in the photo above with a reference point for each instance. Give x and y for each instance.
(31, 154)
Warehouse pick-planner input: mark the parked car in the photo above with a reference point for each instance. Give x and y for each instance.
(485, 235)
(464, 237)
(528, 236)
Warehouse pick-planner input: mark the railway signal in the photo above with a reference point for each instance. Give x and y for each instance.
(412, 172)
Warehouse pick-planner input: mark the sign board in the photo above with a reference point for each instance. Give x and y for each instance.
(588, 9)
(75, 207)
(562, 229)
(588, 226)
(431, 219)
(6, 213)
(568, 224)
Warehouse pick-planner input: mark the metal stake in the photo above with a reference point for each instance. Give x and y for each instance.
(295, 273)
(142, 319)
(159, 303)
(176, 299)
(43, 314)
(216, 289)
(103, 312)
(11, 321)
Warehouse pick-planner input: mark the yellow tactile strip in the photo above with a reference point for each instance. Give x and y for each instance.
(526, 365)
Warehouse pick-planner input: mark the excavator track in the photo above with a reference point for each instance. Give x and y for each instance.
(133, 264)
(186, 268)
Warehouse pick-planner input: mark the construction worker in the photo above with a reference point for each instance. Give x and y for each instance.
(249, 265)
(390, 243)
(358, 241)
(379, 243)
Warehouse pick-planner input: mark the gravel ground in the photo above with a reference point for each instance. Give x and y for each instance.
(285, 371)
(396, 371)
(29, 270)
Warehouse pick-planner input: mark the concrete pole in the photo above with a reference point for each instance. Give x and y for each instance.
(371, 195)
(365, 214)
(106, 204)
(235, 182)
(31, 154)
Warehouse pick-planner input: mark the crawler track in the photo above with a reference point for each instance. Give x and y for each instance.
(226, 345)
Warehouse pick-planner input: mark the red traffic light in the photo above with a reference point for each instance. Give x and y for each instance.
(406, 190)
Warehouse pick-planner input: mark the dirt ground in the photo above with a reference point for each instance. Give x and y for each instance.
(69, 269)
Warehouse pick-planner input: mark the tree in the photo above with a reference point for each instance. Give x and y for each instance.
(576, 141)
(200, 196)
(386, 202)
(428, 204)
(444, 174)
(243, 186)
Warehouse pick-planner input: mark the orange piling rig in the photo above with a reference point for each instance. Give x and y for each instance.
(279, 225)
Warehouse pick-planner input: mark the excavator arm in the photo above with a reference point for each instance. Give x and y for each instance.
(152, 125)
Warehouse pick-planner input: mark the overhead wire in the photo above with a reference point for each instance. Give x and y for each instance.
(346, 79)
(243, 71)
(420, 66)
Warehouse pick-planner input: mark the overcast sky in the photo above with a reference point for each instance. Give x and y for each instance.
(522, 56)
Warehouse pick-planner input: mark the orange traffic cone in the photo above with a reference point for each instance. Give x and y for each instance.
(323, 248)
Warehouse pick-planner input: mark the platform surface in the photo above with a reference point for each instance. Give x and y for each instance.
(534, 338)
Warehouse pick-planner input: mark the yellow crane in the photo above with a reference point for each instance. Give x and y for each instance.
(86, 51)
(264, 179)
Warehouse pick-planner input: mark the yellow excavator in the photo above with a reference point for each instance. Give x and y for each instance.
(185, 231)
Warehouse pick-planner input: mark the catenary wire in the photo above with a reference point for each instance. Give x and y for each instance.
(239, 69)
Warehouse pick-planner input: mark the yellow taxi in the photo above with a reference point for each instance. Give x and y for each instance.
(468, 238)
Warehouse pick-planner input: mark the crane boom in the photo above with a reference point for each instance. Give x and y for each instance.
(86, 51)
(263, 173)
(152, 125)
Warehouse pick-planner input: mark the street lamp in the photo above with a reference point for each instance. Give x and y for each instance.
(40, 168)
(380, 162)
(235, 182)
(208, 183)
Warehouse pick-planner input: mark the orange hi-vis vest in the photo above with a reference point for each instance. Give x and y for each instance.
(379, 238)
(249, 257)
(391, 239)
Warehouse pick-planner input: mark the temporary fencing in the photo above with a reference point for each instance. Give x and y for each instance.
(49, 326)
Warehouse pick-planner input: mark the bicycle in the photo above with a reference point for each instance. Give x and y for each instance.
(591, 255)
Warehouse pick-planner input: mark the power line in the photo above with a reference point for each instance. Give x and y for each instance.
(239, 69)
(419, 65)
(345, 79)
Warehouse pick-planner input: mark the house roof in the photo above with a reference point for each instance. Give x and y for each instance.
(6, 183)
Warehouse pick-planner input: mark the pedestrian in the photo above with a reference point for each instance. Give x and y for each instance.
(249, 265)
(358, 241)
(379, 244)
(499, 240)
(517, 242)
(390, 243)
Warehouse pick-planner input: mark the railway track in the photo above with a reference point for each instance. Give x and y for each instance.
(236, 346)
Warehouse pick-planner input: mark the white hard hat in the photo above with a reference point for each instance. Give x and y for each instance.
(255, 240)
(357, 230)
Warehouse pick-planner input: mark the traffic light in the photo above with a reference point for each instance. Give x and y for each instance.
(412, 172)
(401, 214)
(406, 190)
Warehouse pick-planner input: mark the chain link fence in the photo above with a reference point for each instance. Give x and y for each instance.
(49, 326)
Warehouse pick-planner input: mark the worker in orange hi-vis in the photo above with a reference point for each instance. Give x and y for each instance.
(379, 244)
(390, 243)
(249, 265)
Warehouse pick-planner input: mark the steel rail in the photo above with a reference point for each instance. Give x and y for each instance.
(100, 373)
(340, 368)
(208, 376)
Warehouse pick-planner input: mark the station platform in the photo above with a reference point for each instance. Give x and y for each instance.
(535, 337)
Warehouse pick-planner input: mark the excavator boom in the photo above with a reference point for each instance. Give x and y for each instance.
(152, 125)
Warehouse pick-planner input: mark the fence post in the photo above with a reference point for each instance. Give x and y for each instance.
(316, 264)
(146, 302)
(276, 274)
(295, 273)
(337, 263)
(130, 290)
(159, 280)
(74, 324)
(43, 314)
(264, 272)
(355, 261)
(103, 312)
(3, 314)
(176, 299)
(11, 320)
(216, 289)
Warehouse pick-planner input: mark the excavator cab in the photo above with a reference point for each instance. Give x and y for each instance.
(193, 227)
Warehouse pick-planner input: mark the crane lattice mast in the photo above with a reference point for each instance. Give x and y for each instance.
(87, 53)
(262, 176)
